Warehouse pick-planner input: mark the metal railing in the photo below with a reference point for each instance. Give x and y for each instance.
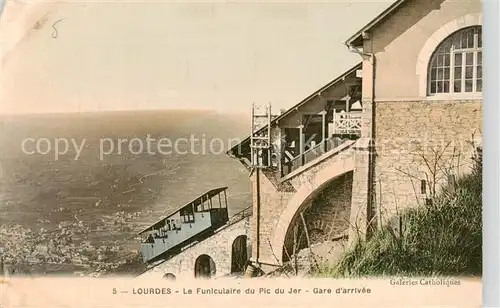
(247, 212)
(313, 153)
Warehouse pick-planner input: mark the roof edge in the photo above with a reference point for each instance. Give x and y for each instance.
(352, 41)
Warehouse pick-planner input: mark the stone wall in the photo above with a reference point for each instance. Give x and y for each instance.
(218, 247)
(421, 140)
(272, 203)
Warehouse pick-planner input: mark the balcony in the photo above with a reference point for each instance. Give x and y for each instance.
(347, 123)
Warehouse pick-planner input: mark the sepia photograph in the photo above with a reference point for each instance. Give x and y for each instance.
(243, 141)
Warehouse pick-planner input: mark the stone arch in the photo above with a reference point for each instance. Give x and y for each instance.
(435, 39)
(239, 254)
(204, 267)
(169, 276)
(304, 195)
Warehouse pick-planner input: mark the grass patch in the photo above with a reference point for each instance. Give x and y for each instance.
(443, 239)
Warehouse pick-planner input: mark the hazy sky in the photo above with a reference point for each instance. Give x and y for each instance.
(157, 55)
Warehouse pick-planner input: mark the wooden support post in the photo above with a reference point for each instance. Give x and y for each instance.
(279, 158)
(324, 129)
(295, 230)
(347, 99)
(301, 144)
(305, 229)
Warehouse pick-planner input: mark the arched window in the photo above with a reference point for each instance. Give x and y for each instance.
(456, 65)
(204, 267)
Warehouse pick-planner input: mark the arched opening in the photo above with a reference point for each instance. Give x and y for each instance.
(325, 216)
(239, 254)
(204, 267)
(169, 276)
(456, 64)
(304, 194)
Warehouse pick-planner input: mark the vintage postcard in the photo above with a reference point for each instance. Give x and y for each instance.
(251, 153)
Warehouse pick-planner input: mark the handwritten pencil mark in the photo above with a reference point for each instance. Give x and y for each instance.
(54, 32)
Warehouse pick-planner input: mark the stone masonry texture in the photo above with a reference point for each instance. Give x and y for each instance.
(218, 247)
(421, 140)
